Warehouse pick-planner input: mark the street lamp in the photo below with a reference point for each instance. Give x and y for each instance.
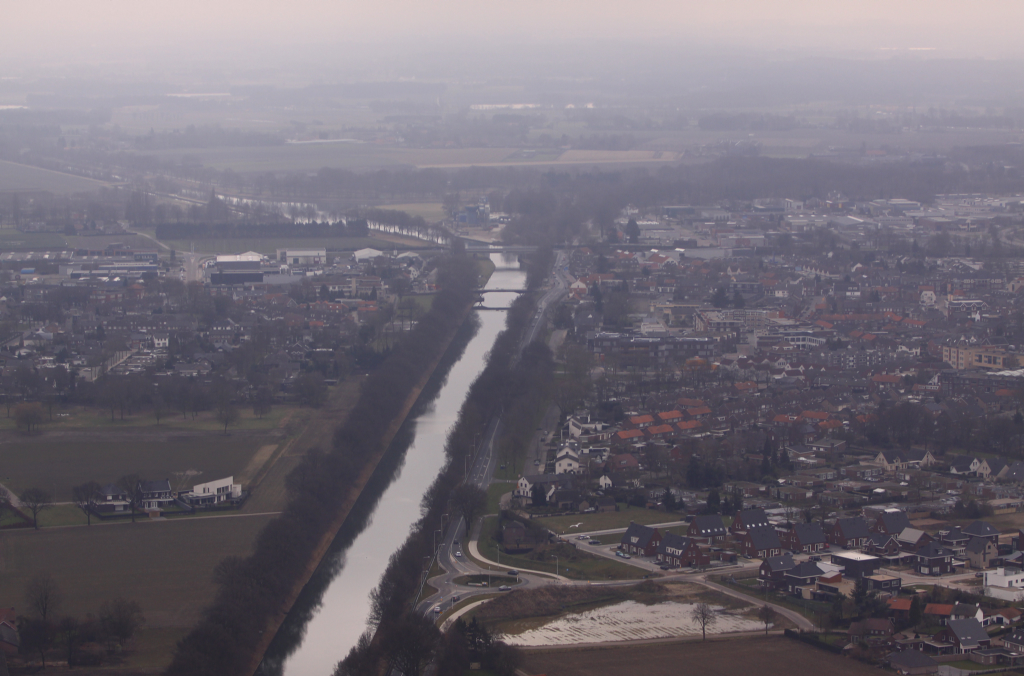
(433, 546)
(556, 564)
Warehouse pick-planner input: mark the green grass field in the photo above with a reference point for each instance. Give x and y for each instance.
(494, 493)
(607, 520)
(572, 563)
(13, 240)
(56, 463)
(16, 177)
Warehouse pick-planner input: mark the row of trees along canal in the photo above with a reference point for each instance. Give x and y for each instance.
(521, 390)
(253, 590)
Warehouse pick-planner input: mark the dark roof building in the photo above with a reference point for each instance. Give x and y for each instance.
(892, 522)
(968, 635)
(640, 540)
(679, 550)
(912, 662)
(760, 543)
(749, 518)
(850, 533)
(772, 573)
(707, 526)
(982, 529)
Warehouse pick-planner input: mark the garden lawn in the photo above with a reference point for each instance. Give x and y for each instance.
(572, 563)
(494, 493)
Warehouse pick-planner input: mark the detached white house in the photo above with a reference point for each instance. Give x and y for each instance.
(548, 482)
(567, 461)
(214, 492)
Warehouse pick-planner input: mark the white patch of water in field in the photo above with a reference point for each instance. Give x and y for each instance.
(628, 621)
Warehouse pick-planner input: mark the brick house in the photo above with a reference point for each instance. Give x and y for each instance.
(708, 527)
(759, 543)
(851, 533)
(678, 550)
(640, 540)
(806, 538)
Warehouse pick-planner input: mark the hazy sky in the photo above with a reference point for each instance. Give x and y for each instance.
(126, 30)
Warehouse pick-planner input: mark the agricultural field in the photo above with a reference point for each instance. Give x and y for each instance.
(13, 240)
(429, 211)
(16, 177)
(339, 155)
(768, 656)
(56, 461)
(166, 566)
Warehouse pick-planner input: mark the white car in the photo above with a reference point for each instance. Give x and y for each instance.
(437, 610)
(458, 555)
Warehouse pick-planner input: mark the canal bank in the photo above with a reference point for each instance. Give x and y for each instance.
(331, 611)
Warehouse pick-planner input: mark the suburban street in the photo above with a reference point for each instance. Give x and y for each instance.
(481, 472)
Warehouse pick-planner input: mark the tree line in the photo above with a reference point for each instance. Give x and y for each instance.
(504, 384)
(43, 630)
(252, 590)
(248, 230)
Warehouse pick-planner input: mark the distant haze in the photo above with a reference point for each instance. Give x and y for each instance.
(161, 33)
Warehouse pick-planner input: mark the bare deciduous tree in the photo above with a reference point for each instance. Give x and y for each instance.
(43, 596)
(85, 497)
(129, 483)
(767, 615)
(37, 500)
(704, 615)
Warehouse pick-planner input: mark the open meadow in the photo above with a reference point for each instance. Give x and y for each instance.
(164, 565)
(14, 240)
(16, 177)
(728, 656)
(571, 562)
(57, 461)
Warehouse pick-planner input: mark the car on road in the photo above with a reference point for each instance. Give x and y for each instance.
(623, 555)
(979, 575)
(437, 610)
(665, 567)
(505, 587)
(455, 541)
(582, 537)
(458, 555)
(513, 572)
(594, 542)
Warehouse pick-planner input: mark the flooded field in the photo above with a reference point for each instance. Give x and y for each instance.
(630, 620)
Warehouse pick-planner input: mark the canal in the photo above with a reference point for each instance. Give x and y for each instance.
(332, 611)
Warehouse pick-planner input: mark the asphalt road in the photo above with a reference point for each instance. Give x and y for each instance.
(480, 475)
